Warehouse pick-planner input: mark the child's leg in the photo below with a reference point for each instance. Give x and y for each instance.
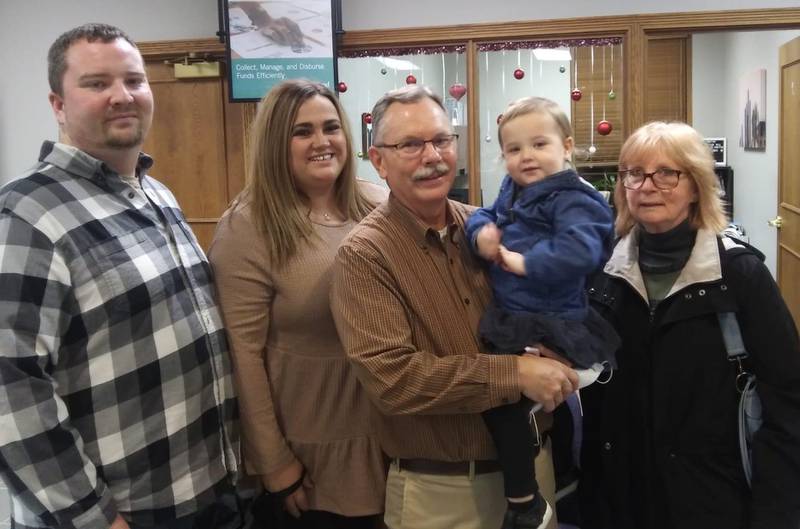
(516, 450)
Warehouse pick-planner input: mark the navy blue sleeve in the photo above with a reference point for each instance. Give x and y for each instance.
(484, 216)
(582, 228)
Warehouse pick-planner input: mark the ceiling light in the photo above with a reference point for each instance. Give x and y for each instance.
(552, 54)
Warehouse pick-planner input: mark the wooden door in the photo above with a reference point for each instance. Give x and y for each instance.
(789, 177)
(197, 141)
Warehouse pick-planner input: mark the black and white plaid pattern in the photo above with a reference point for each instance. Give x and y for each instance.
(115, 381)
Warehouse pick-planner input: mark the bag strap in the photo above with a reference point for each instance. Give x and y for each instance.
(732, 336)
(734, 346)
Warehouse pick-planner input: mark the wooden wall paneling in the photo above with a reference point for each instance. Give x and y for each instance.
(665, 78)
(187, 141)
(238, 117)
(188, 137)
(634, 49)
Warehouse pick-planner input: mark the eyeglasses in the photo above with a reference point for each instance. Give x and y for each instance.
(414, 147)
(663, 178)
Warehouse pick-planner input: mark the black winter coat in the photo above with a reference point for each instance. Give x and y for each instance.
(660, 447)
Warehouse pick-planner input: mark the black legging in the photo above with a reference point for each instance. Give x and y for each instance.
(516, 446)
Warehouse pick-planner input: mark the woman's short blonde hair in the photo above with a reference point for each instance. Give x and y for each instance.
(684, 145)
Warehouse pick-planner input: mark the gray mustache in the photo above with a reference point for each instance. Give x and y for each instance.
(429, 170)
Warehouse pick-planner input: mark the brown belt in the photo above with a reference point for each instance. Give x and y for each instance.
(448, 468)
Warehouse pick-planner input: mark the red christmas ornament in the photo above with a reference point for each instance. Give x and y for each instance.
(366, 117)
(341, 87)
(604, 128)
(576, 94)
(519, 73)
(410, 79)
(457, 91)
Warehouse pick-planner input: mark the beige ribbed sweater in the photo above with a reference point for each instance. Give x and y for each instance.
(298, 396)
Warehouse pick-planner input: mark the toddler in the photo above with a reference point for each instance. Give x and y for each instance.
(546, 232)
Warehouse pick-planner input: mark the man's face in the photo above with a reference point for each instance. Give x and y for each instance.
(106, 102)
(421, 181)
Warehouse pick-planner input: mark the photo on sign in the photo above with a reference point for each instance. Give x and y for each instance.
(271, 41)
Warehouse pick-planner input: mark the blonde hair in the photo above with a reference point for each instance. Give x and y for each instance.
(535, 105)
(277, 206)
(684, 145)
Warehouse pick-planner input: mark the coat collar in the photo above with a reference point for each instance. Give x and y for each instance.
(703, 266)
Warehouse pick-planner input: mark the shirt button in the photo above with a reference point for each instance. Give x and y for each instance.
(688, 296)
(131, 194)
(466, 301)
(607, 446)
(702, 292)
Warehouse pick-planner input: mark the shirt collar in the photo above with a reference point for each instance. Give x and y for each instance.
(78, 163)
(421, 232)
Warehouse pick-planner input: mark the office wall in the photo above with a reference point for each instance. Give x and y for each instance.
(27, 28)
(375, 14)
(719, 61)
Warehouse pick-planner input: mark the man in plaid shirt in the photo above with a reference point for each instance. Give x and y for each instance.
(117, 407)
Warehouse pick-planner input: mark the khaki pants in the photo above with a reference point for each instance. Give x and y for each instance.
(426, 501)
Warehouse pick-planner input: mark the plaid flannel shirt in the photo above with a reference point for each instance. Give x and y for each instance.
(116, 383)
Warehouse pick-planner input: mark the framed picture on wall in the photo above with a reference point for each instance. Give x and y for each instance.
(753, 111)
(718, 150)
(271, 41)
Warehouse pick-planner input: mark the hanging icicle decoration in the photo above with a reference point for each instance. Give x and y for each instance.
(444, 78)
(592, 148)
(611, 94)
(604, 127)
(576, 94)
(488, 137)
(503, 77)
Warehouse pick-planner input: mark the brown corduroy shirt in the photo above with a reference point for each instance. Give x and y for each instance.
(406, 305)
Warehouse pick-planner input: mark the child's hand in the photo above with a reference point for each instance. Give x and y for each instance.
(488, 242)
(512, 262)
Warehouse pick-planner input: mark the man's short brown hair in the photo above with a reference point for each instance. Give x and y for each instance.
(57, 55)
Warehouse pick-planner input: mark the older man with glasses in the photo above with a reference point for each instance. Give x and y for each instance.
(407, 297)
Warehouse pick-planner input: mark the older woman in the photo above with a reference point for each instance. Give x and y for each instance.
(660, 440)
(306, 426)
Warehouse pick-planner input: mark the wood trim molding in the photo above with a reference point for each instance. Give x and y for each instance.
(730, 20)
(571, 27)
(166, 49)
(473, 133)
(527, 30)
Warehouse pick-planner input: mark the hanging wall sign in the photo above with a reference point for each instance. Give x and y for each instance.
(271, 41)
(718, 150)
